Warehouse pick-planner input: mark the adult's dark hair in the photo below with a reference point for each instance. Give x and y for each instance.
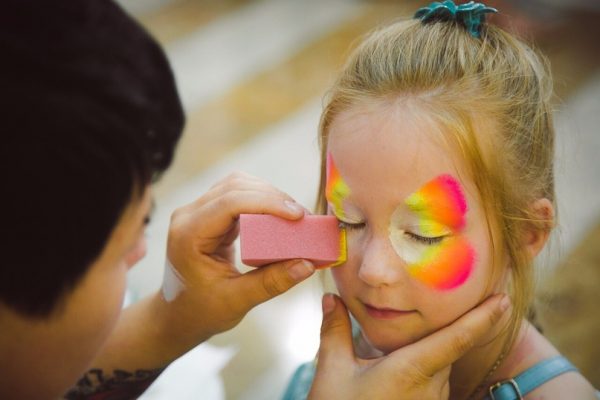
(89, 115)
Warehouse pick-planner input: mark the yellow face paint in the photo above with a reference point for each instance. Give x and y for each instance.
(336, 190)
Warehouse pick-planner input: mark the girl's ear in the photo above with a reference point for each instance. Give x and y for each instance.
(537, 233)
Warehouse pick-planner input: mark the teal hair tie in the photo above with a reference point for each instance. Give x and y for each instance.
(471, 14)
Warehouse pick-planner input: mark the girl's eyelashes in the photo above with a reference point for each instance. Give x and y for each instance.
(425, 239)
(351, 226)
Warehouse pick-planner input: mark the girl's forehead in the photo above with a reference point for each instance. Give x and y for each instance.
(384, 128)
(385, 157)
(387, 152)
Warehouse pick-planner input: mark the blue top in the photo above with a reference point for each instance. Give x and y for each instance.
(301, 382)
(510, 389)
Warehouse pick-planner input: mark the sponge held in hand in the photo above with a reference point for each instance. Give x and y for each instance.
(266, 239)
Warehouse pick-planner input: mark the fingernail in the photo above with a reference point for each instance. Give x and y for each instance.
(505, 303)
(301, 270)
(295, 207)
(328, 303)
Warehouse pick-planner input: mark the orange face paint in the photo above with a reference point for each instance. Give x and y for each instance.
(446, 265)
(336, 190)
(440, 202)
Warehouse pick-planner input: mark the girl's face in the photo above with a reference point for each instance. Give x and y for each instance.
(419, 254)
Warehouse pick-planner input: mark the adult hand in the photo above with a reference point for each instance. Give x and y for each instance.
(205, 292)
(417, 371)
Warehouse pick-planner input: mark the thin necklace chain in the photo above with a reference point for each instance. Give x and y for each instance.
(488, 375)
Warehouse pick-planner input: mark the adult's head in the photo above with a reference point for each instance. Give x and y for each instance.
(90, 116)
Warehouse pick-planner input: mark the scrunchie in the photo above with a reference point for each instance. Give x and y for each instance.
(471, 14)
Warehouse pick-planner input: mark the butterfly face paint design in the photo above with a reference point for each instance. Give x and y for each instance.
(436, 253)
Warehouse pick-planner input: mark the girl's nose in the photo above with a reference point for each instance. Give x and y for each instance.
(380, 264)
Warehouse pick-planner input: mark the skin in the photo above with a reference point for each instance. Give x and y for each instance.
(83, 319)
(418, 371)
(385, 153)
(383, 162)
(200, 249)
(31, 347)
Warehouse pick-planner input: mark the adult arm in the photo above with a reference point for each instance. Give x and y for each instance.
(203, 293)
(417, 371)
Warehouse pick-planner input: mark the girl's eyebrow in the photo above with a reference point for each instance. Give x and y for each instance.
(348, 213)
(347, 217)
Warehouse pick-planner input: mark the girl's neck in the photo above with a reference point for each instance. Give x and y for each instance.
(470, 377)
(472, 374)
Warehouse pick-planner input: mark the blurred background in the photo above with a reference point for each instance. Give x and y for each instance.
(252, 75)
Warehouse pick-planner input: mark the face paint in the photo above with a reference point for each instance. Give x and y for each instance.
(436, 254)
(446, 265)
(439, 203)
(336, 190)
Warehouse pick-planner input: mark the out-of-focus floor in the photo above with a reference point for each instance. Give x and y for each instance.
(252, 75)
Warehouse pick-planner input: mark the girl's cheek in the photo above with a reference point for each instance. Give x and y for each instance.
(446, 266)
(345, 279)
(354, 246)
(408, 250)
(136, 253)
(349, 270)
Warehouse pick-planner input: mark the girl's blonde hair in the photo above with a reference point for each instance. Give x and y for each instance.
(461, 82)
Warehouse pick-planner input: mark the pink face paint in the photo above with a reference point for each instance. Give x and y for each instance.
(447, 262)
(446, 265)
(336, 190)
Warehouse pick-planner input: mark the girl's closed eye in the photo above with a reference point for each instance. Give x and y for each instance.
(425, 239)
(351, 225)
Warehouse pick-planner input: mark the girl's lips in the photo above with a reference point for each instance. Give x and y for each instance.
(385, 313)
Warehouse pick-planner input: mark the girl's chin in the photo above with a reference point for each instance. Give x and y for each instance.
(387, 347)
(378, 345)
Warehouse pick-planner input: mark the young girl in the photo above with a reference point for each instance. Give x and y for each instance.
(437, 158)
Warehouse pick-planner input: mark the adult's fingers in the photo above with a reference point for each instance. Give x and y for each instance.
(336, 347)
(264, 283)
(440, 383)
(442, 348)
(240, 181)
(214, 219)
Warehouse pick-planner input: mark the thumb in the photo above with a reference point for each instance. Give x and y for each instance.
(264, 283)
(336, 336)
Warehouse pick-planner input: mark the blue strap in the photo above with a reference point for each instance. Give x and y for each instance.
(535, 376)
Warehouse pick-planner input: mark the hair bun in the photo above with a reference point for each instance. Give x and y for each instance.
(470, 14)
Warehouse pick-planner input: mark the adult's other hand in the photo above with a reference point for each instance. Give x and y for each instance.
(417, 371)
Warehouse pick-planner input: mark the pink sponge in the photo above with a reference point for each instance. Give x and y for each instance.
(265, 239)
